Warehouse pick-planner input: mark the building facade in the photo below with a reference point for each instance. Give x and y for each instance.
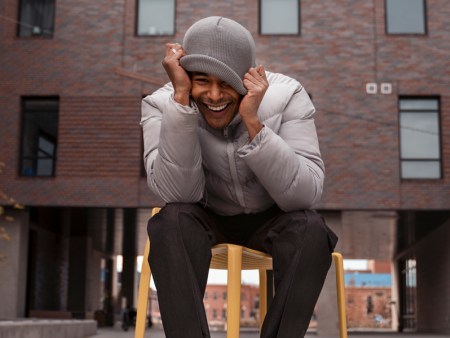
(72, 78)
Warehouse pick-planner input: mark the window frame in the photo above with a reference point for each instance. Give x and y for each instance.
(276, 35)
(421, 97)
(23, 99)
(136, 26)
(407, 293)
(19, 13)
(425, 22)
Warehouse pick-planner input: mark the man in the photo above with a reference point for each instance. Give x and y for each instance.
(233, 151)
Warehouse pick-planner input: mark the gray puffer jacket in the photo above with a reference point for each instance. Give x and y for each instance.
(188, 161)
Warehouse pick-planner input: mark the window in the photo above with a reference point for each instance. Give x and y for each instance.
(405, 17)
(206, 295)
(224, 296)
(419, 138)
(224, 313)
(242, 296)
(242, 313)
(214, 295)
(156, 17)
(36, 18)
(280, 17)
(39, 136)
(369, 304)
(214, 313)
(408, 292)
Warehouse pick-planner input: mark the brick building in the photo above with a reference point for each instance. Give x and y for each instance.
(72, 78)
(215, 301)
(368, 295)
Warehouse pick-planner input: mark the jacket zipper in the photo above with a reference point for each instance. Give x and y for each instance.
(228, 134)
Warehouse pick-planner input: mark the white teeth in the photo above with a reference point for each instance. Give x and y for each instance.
(217, 108)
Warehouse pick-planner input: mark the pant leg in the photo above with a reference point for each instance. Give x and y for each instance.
(180, 254)
(301, 245)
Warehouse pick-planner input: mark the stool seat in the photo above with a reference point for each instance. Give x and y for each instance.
(251, 259)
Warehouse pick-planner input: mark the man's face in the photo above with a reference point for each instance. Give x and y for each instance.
(216, 99)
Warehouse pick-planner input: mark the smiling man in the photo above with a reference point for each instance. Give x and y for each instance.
(233, 151)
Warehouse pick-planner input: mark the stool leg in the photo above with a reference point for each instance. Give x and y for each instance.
(262, 297)
(234, 290)
(340, 284)
(144, 287)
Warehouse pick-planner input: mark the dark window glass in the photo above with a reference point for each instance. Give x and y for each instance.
(405, 16)
(215, 295)
(36, 17)
(224, 313)
(408, 296)
(369, 304)
(242, 313)
(279, 17)
(224, 296)
(419, 138)
(39, 136)
(156, 17)
(214, 313)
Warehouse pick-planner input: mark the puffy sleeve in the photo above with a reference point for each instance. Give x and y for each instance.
(172, 153)
(288, 163)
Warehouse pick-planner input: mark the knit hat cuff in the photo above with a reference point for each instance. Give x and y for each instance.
(210, 65)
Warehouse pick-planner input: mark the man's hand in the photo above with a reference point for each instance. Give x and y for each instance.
(256, 83)
(178, 76)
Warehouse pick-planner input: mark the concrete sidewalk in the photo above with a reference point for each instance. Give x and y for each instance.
(159, 333)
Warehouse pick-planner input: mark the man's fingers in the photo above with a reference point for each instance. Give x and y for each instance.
(261, 71)
(168, 50)
(256, 79)
(252, 79)
(253, 72)
(170, 47)
(252, 86)
(249, 85)
(177, 55)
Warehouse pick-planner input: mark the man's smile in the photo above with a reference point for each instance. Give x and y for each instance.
(218, 111)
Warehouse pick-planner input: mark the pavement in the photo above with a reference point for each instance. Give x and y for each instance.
(159, 333)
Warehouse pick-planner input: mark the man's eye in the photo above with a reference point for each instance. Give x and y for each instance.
(202, 80)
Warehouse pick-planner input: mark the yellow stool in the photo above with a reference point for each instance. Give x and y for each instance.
(236, 258)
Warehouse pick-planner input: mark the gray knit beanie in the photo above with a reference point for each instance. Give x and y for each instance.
(220, 47)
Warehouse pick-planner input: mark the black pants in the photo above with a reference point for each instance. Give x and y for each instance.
(181, 237)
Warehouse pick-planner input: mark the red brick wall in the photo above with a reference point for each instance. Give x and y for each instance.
(342, 47)
(378, 267)
(356, 306)
(248, 294)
